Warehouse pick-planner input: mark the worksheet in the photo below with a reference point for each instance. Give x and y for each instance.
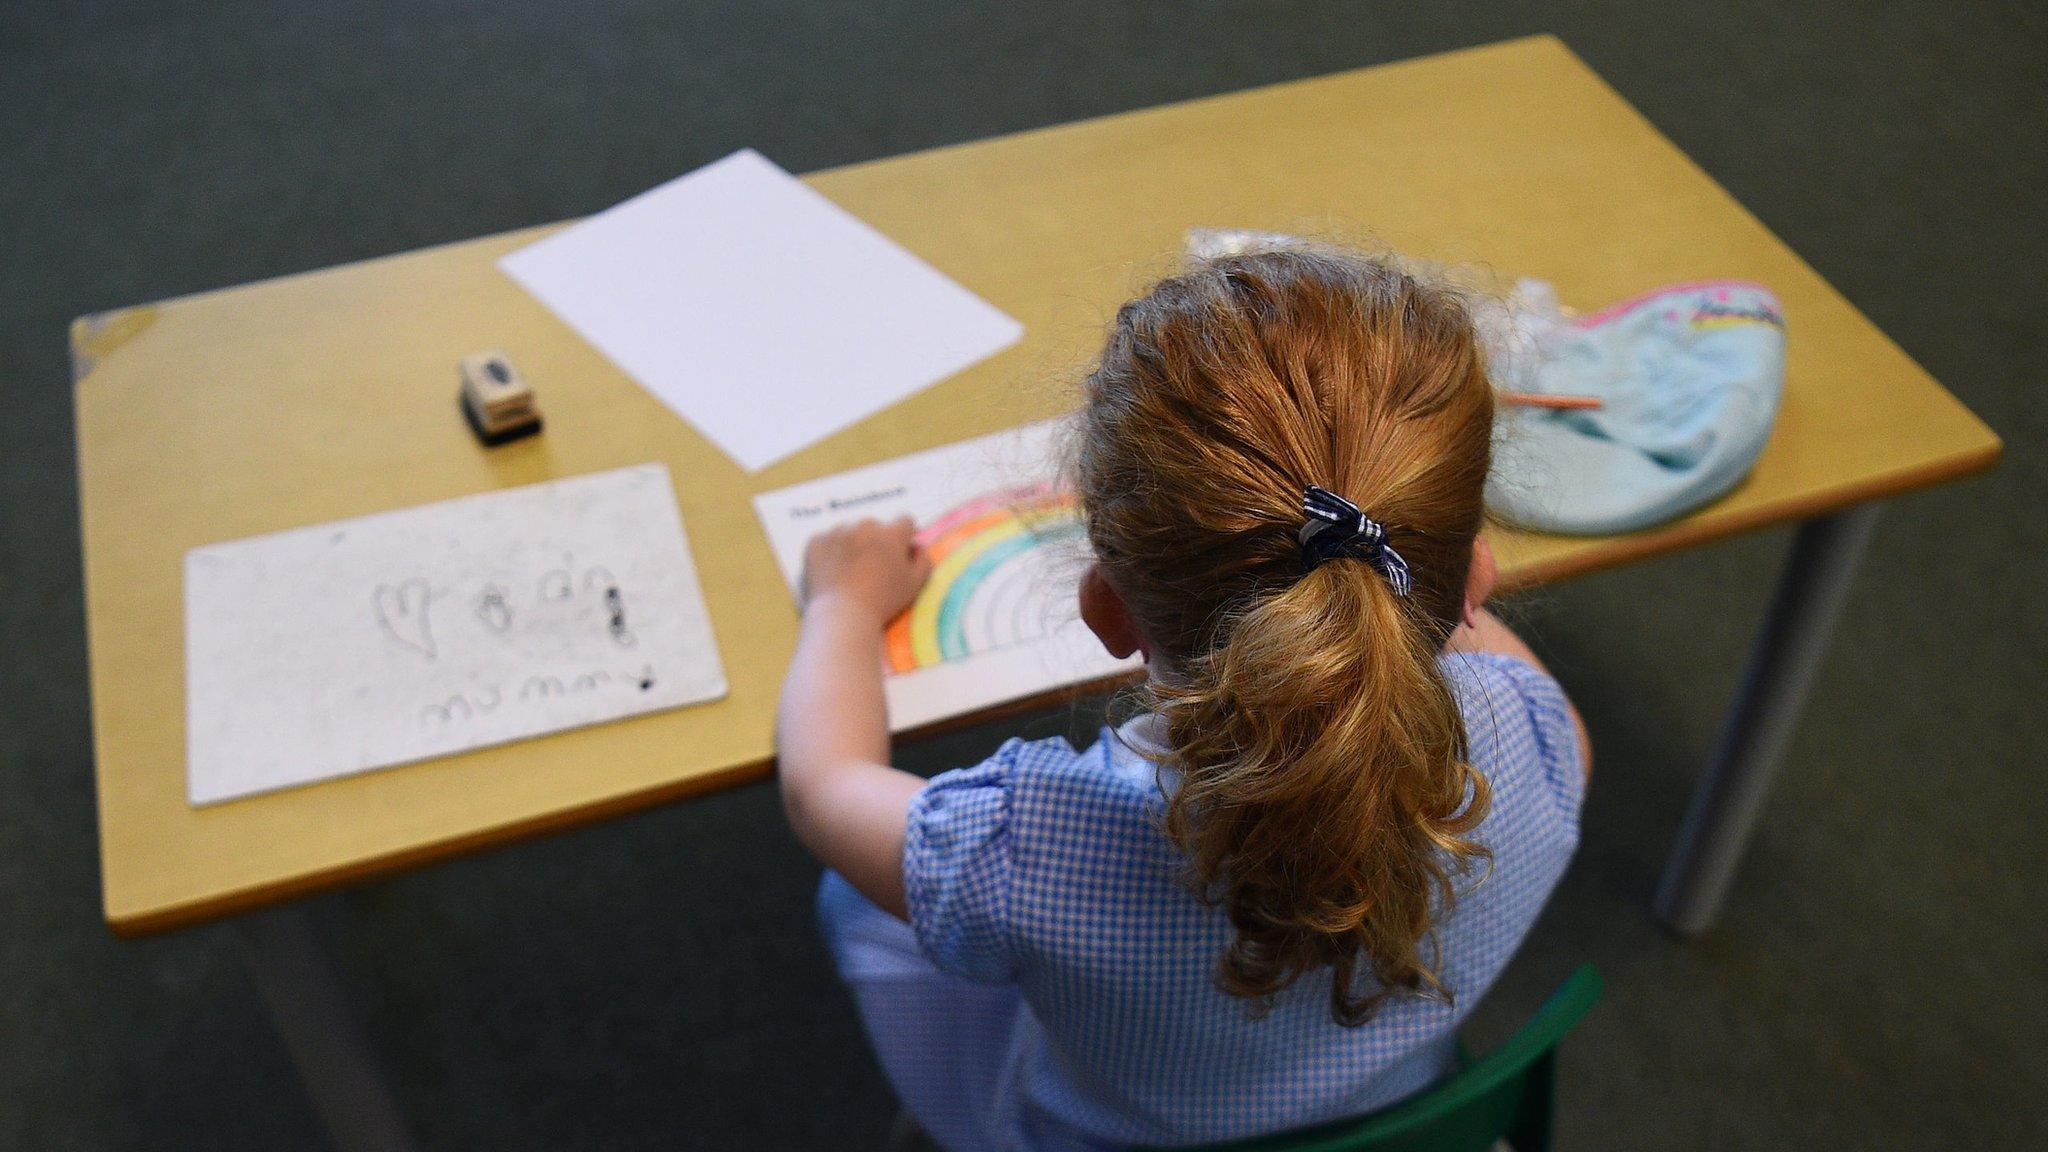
(340, 648)
(998, 620)
(756, 309)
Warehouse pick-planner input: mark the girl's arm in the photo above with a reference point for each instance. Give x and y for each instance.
(844, 801)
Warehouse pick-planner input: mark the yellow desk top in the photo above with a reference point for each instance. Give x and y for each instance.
(331, 394)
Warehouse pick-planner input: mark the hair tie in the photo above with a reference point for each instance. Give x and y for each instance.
(1337, 527)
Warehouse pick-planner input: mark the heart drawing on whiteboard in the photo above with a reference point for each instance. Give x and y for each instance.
(402, 613)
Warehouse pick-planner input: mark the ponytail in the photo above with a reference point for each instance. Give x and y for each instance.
(1323, 794)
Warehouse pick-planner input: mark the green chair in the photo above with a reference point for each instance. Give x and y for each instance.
(1506, 1094)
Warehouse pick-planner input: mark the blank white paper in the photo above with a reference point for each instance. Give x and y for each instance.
(756, 309)
(360, 644)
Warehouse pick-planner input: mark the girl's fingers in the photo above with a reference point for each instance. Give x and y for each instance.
(905, 530)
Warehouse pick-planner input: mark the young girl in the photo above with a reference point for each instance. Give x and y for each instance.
(1268, 900)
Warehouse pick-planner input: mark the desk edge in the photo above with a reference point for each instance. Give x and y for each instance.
(1691, 534)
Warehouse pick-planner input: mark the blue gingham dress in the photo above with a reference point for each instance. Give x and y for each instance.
(1054, 987)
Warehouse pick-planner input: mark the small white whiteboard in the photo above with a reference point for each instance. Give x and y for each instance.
(999, 619)
(755, 308)
(345, 647)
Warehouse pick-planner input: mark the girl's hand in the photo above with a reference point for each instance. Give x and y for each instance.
(874, 567)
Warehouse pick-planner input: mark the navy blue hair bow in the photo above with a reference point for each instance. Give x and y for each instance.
(1336, 527)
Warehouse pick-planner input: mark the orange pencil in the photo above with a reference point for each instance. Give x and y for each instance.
(1544, 400)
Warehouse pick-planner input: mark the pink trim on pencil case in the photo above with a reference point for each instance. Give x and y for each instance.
(1613, 310)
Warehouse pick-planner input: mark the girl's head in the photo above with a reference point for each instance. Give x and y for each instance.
(1323, 792)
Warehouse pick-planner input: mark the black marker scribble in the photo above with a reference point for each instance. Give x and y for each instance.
(544, 687)
(402, 613)
(615, 605)
(493, 609)
(463, 707)
(448, 711)
(481, 701)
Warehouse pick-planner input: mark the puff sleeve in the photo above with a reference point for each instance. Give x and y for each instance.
(958, 868)
(1550, 728)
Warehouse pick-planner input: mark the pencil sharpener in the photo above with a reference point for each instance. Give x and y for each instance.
(496, 400)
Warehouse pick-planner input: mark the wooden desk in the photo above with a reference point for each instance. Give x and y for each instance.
(330, 394)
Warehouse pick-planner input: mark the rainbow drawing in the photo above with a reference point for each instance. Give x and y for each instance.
(986, 588)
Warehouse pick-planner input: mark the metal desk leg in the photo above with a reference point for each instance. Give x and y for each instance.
(311, 1007)
(1788, 650)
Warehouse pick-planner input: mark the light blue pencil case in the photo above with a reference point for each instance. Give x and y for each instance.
(1689, 376)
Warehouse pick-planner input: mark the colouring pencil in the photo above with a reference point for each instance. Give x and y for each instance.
(1544, 400)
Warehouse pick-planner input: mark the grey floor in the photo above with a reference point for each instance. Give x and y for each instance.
(655, 982)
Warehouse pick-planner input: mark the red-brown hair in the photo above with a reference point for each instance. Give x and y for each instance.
(1323, 793)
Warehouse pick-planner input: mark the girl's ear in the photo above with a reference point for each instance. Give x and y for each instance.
(1106, 616)
(1479, 580)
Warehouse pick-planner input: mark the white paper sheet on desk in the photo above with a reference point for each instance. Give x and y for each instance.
(759, 311)
(998, 620)
(335, 649)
